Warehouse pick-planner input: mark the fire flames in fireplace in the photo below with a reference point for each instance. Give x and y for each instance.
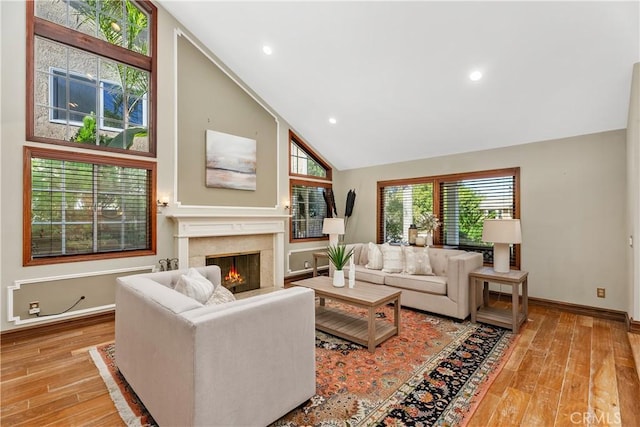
(240, 272)
(233, 278)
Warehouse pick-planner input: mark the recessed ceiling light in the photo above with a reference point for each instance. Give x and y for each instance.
(332, 120)
(267, 50)
(475, 76)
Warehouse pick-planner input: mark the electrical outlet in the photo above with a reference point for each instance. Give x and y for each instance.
(34, 307)
(307, 264)
(600, 292)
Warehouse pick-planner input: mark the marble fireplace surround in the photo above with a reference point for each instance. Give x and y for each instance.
(200, 235)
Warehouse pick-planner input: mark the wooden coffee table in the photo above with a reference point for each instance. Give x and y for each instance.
(367, 330)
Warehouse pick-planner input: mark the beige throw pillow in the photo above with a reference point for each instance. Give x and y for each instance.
(220, 296)
(195, 285)
(392, 259)
(416, 261)
(374, 257)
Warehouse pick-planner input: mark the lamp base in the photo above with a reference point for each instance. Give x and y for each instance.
(501, 258)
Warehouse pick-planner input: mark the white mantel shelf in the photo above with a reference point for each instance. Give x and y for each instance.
(205, 225)
(179, 215)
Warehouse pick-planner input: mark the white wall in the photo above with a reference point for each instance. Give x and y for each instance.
(573, 197)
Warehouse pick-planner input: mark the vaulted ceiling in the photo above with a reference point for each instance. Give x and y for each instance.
(395, 75)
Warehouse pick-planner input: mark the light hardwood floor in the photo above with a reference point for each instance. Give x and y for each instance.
(565, 370)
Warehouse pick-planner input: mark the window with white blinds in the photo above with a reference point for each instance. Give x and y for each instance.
(461, 202)
(78, 207)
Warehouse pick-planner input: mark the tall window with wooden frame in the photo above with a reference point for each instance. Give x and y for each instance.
(77, 208)
(91, 85)
(461, 202)
(91, 74)
(310, 191)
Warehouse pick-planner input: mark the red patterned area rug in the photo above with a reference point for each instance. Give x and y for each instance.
(434, 373)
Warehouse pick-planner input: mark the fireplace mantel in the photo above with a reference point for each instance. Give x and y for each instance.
(205, 225)
(197, 225)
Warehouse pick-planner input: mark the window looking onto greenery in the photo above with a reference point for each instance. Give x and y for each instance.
(90, 74)
(121, 23)
(403, 206)
(303, 162)
(461, 202)
(78, 207)
(308, 210)
(467, 203)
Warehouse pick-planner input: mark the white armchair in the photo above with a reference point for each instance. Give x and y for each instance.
(246, 362)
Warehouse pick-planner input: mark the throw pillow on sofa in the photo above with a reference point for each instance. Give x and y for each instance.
(220, 296)
(417, 261)
(195, 285)
(374, 257)
(392, 259)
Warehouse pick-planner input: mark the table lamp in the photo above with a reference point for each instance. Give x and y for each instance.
(333, 227)
(502, 233)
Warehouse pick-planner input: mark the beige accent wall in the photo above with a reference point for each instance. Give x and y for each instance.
(208, 99)
(64, 292)
(633, 195)
(573, 198)
(301, 261)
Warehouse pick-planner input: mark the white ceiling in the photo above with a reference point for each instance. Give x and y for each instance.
(395, 74)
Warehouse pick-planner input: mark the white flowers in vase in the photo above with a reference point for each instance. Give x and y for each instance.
(428, 222)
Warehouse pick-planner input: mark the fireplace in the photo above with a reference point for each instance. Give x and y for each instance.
(202, 235)
(240, 271)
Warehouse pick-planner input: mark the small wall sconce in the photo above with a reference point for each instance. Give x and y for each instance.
(163, 201)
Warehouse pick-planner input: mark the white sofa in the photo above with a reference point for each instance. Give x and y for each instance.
(242, 363)
(445, 292)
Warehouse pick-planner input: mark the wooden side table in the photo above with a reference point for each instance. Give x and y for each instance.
(493, 315)
(316, 257)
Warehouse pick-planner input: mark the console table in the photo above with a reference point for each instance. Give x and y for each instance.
(316, 257)
(496, 316)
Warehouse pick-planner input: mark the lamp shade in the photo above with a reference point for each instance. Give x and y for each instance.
(333, 226)
(502, 231)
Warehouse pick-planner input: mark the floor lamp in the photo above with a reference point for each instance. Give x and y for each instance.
(502, 233)
(333, 227)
